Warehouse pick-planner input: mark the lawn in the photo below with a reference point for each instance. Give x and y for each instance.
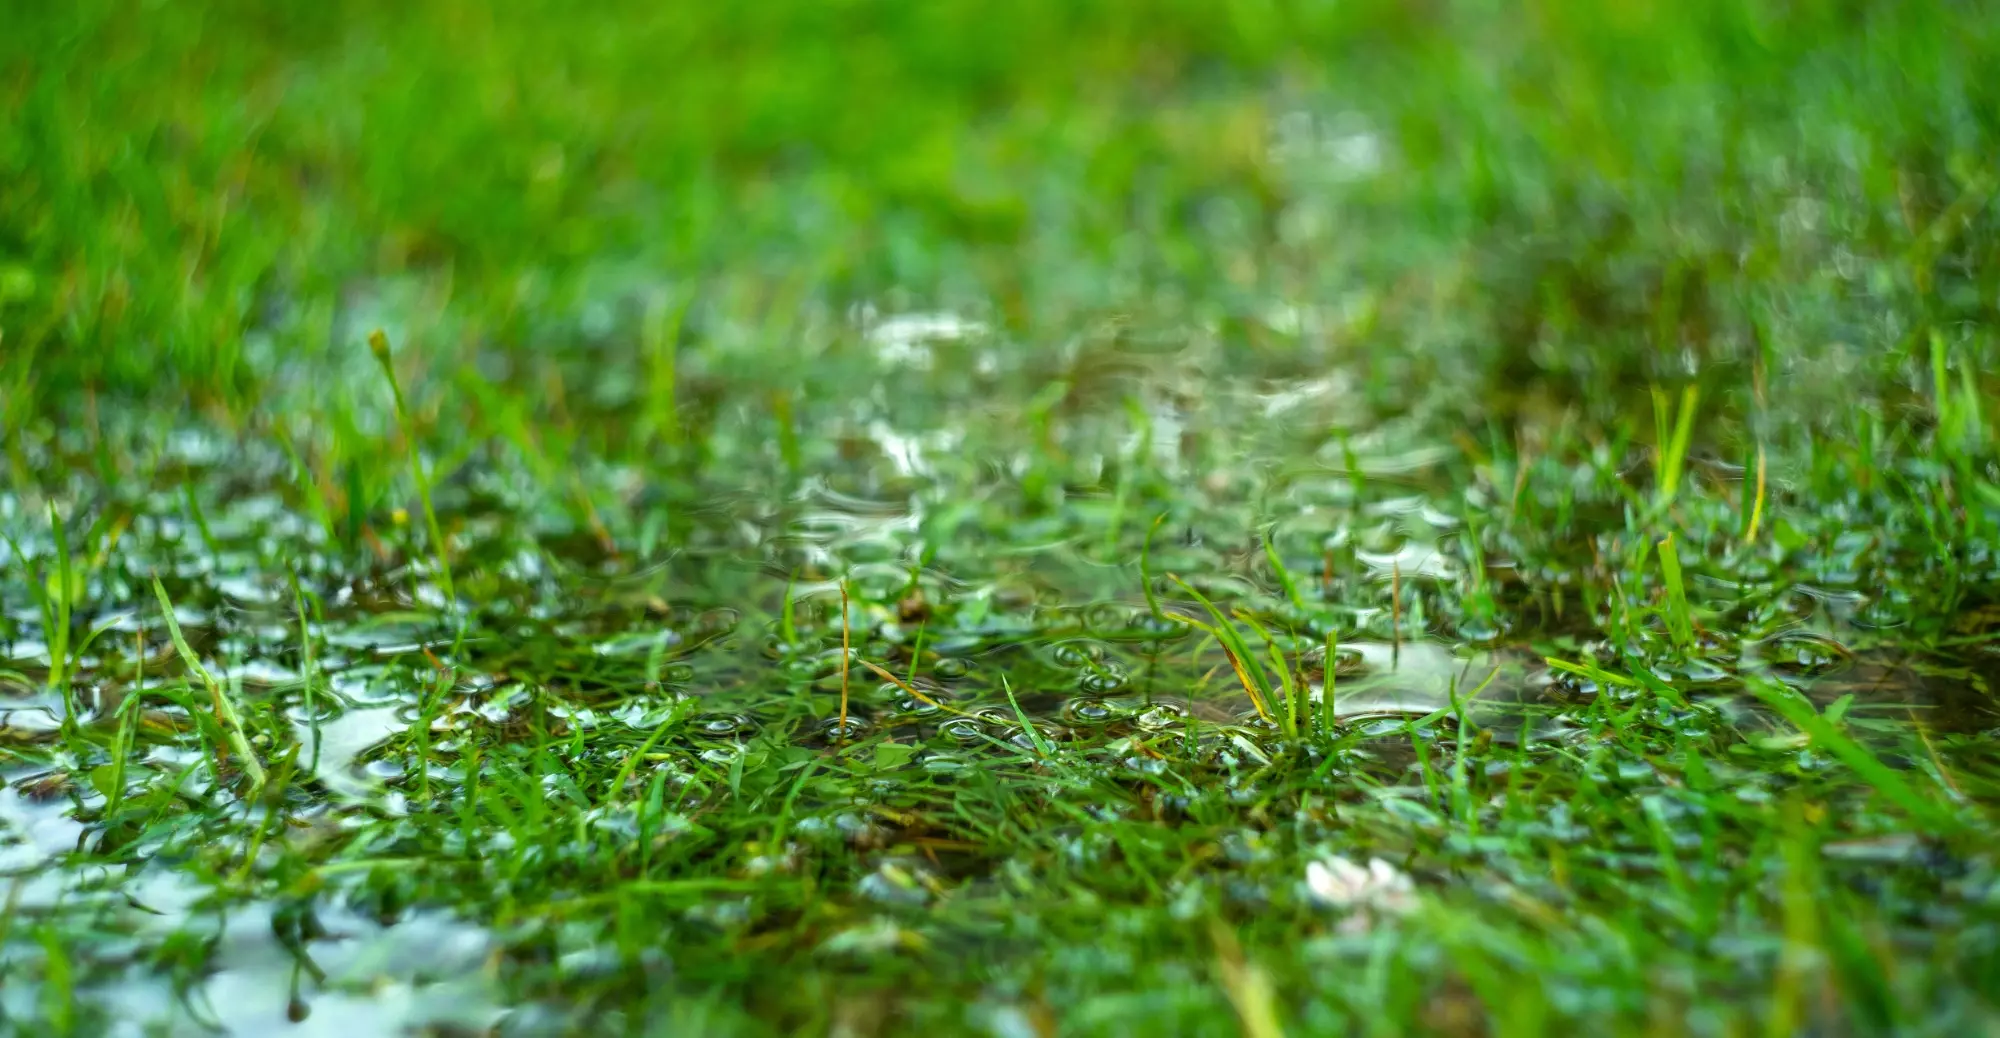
(1084, 518)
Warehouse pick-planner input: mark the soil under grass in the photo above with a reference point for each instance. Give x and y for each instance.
(1107, 518)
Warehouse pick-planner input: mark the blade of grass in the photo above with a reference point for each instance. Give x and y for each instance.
(1284, 575)
(1328, 679)
(1145, 568)
(1246, 985)
(1289, 720)
(662, 347)
(378, 344)
(1591, 671)
(225, 712)
(913, 690)
(679, 714)
(61, 600)
(786, 622)
(1757, 504)
(1894, 788)
(1142, 448)
(1673, 449)
(1034, 734)
(1679, 620)
(308, 667)
(846, 655)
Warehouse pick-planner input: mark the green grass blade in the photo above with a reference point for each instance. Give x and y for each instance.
(1679, 619)
(226, 716)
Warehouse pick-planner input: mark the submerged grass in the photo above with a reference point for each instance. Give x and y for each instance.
(1368, 518)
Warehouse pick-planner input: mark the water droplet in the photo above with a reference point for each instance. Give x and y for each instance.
(952, 667)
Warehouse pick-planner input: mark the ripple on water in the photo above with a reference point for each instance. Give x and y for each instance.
(424, 972)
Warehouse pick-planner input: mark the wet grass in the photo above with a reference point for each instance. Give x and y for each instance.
(1095, 519)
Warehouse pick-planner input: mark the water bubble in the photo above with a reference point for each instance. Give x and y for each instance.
(910, 704)
(721, 726)
(1160, 628)
(716, 622)
(1570, 689)
(897, 883)
(1108, 616)
(722, 754)
(952, 667)
(1480, 629)
(828, 662)
(842, 729)
(1076, 654)
(942, 764)
(1089, 711)
(963, 730)
(1806, 654)
(582, 717)
(642, 716)
(998, 716)
(1163, 715)
(1102, 681)
(1372, 726)
(1348, 662)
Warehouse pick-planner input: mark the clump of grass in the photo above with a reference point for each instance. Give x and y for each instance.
(1255, 684)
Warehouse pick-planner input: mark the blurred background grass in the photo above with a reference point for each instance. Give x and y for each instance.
(194, 195)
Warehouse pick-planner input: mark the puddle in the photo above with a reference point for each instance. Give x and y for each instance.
(343, 739)
(34, 831)
(339, 973)
(1897, 689)
(1497, 691)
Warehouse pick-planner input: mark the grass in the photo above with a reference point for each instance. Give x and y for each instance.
(890, 518)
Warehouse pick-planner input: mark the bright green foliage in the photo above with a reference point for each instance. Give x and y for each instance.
(1346, 518)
